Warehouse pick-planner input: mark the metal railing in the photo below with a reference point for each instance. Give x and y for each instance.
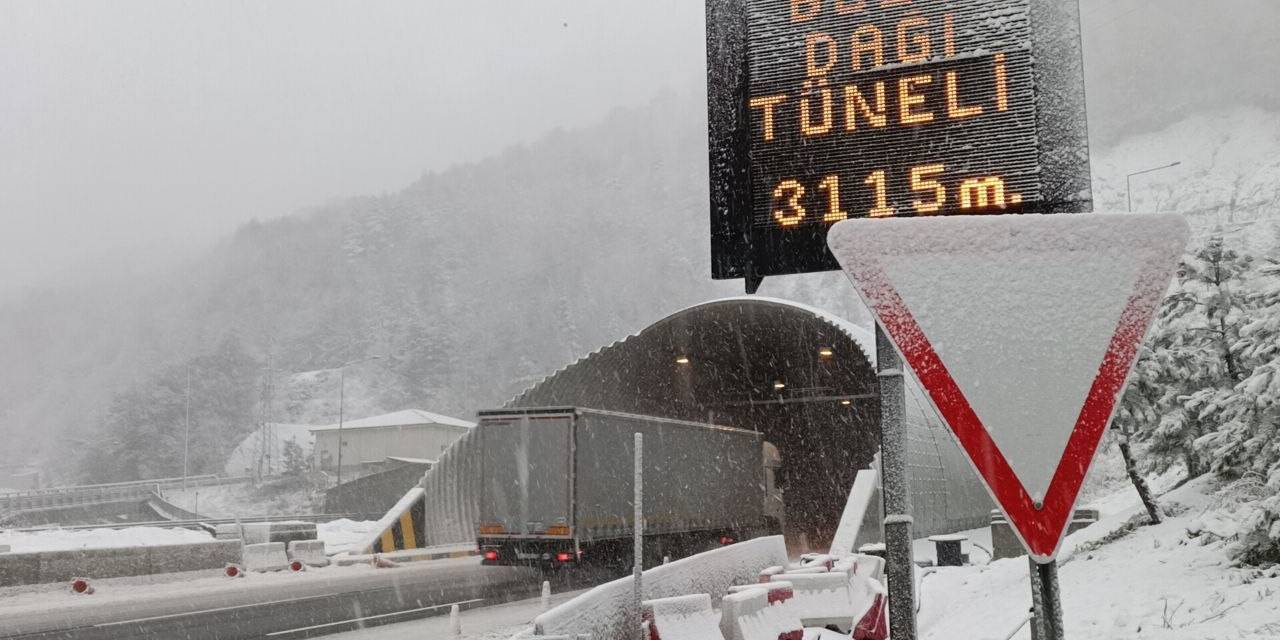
(53, 497)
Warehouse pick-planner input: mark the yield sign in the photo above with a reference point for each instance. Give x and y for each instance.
(1022, 330)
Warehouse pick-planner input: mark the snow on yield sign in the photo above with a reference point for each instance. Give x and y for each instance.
(1022, 329)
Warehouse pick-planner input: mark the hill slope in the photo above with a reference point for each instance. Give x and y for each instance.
(475, 283)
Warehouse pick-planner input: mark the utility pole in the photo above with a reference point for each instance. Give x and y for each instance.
(342, 392)
(1128, 181)
(186, 439)
(637, 568)
(899, 563)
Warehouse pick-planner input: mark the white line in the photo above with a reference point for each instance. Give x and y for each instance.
(219, 609)
(384, 615)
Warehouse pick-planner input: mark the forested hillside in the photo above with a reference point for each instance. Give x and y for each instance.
(474, 283)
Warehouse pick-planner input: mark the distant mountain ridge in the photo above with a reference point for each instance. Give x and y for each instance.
(474, 282)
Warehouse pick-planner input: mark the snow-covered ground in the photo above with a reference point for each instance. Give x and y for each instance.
(342, 535)
(338, 536)
(68, 539)
(246, 500)
(490, 623)
(1119, 582)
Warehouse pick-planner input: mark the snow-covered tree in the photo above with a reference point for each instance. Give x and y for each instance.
(1246, 444)
(1192, 363)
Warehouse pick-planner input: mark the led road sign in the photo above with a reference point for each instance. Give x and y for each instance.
(846, 109)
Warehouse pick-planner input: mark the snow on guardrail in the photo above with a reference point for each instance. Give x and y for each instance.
(604, 611)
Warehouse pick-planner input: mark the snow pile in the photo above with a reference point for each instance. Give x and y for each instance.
(604, 611)
(344, 535)
(71, 539)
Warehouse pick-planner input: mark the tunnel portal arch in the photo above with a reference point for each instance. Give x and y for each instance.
(803, 378)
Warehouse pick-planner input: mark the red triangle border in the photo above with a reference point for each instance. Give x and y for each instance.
(1040, 529)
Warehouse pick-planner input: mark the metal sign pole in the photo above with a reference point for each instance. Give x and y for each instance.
(1037, 600)
(899, 563)
(638, 535)
(1045, 580)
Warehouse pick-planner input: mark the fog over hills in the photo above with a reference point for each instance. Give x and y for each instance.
(477, 280)
(474, 282)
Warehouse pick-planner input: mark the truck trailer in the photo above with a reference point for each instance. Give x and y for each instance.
(558, 487)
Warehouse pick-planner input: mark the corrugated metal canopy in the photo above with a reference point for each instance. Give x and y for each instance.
(801, 377)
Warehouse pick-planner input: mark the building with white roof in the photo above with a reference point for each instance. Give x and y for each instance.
(370, 442)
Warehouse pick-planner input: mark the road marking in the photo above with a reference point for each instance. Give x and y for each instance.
(186, 614)
(384, 615)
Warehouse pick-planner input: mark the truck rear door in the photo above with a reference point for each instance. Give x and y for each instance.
(527, 473)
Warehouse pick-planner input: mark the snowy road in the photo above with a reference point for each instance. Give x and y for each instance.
(490, 623)
(283, 605)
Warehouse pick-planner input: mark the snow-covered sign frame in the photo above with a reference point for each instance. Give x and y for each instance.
(823, 110)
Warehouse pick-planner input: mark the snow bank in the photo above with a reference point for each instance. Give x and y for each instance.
(69, 539)
(1164, 582)
(603, 612)
(344, 535)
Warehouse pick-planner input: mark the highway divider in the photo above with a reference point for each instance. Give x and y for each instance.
(63, 566)
(308, 552)
(266, 556)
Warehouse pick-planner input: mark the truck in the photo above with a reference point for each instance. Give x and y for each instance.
(558, 487)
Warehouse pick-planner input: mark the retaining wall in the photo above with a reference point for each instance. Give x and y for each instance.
(60, 566)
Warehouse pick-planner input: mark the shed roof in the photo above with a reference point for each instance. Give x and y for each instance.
(405, 418)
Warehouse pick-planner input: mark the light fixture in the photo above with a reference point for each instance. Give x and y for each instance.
(682, 360)
(826, 352)
(779, 385)
(846, 402)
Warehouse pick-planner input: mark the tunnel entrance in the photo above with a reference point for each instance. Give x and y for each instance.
(802, 379)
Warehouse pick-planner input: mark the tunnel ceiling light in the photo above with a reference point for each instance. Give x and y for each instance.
(682, 360)
(779, 385)
(846, 402)
(826, 352)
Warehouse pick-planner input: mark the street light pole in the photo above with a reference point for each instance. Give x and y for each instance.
(342, 392)
(1128, 181)
(186, 440)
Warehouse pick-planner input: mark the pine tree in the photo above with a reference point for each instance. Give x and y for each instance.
(1246, 447)
(1194, 363)
(144, 435)
(295, 461)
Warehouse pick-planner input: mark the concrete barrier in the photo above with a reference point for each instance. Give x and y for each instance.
(1005, 543)
(748, 615)
(682, 617)
(308, 552)
(266, 556)
(60, 566)
(4, 548)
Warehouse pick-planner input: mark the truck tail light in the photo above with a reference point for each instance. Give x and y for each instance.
(491, 555)
(492, 529)
(726, 540)
(564, 556)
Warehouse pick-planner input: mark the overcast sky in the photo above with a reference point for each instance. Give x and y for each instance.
(141, 128)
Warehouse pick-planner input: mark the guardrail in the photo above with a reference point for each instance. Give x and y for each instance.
(141, 490)
(194, 524)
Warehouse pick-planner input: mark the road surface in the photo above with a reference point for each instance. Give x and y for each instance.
(280, 606)
(498, 622)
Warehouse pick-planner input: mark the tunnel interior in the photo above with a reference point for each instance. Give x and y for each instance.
(791, 374)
